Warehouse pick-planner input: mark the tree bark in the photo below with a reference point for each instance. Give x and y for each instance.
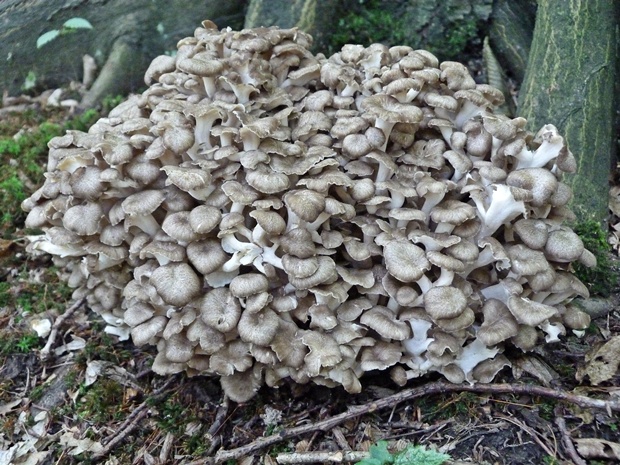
(510, 34)
(147, 28)
(570, 83)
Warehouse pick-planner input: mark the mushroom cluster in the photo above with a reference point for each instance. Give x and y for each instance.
(261, 213)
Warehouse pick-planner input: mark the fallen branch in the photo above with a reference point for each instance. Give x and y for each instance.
(408, 395)
(45, 351)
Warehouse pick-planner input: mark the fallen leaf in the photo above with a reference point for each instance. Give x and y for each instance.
(601, 362)
(6, 408)
(593, 448)
(535, 367)
(5, 247)
(79, 446)
(77, 343)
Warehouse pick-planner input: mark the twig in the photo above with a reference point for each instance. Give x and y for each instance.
(408, 395)
(121, 435)
(567, 440)
(321, 457)
(532, 433)
(220, 417)
(45, 351)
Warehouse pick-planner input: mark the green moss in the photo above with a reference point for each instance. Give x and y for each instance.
(455, 42)
(5, 296)
(101, 402)
(398, 23)
(23, 154)
(602, 279)
(366, 24)
(18, 342)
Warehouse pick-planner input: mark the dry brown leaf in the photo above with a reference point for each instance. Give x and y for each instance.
(593, 448)
(535, 367)
(5, 247)
(601, 362)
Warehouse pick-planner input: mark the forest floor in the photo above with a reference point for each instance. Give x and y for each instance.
(95, 400)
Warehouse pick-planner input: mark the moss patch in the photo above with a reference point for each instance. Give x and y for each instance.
(602, 279)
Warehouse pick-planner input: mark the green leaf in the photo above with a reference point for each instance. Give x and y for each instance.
(77, 23)
(379, 455)
(47, 37)
(419, 455)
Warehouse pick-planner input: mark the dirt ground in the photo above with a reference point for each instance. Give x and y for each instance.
(95, 400)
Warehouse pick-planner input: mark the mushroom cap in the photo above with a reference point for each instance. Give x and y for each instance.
(384, 322)
(405, 261)
(563, 245)
(390, 109)
(380, 356)
(143, 202)
(259, 327)
(176, 283)
(498, 323)
(532, 232)
(529, 312)
(219, 309)
(84, 220)
(306, 204)
(453, 212)
(443, 302)
(248, 284)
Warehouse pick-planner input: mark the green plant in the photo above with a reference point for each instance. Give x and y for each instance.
(601, 279)
(69, 26)
(27, 342)
(411, 455)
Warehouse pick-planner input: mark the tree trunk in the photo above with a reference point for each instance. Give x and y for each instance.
(139, 29)
(510, 34)
(570, 83)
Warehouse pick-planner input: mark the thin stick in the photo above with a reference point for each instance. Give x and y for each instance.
(45, 351)
(121, 435)
(408, 395)
(568, 441)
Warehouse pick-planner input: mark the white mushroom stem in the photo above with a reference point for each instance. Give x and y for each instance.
(503, 208)
(250, 140)
(269, 256)
(468, 110)
(386, 127)
(418, 344)
(445, 278)
(446, 228)
(209, 83)
(44, 244)
(398, 200)
(146, 223)
(552, 331)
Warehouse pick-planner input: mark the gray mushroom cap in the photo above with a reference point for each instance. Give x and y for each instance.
(384, 322)
(405, 261)
(176, 283)
(443, 302)
(219, 309)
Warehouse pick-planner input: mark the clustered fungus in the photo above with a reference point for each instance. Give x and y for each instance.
(261, 213)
